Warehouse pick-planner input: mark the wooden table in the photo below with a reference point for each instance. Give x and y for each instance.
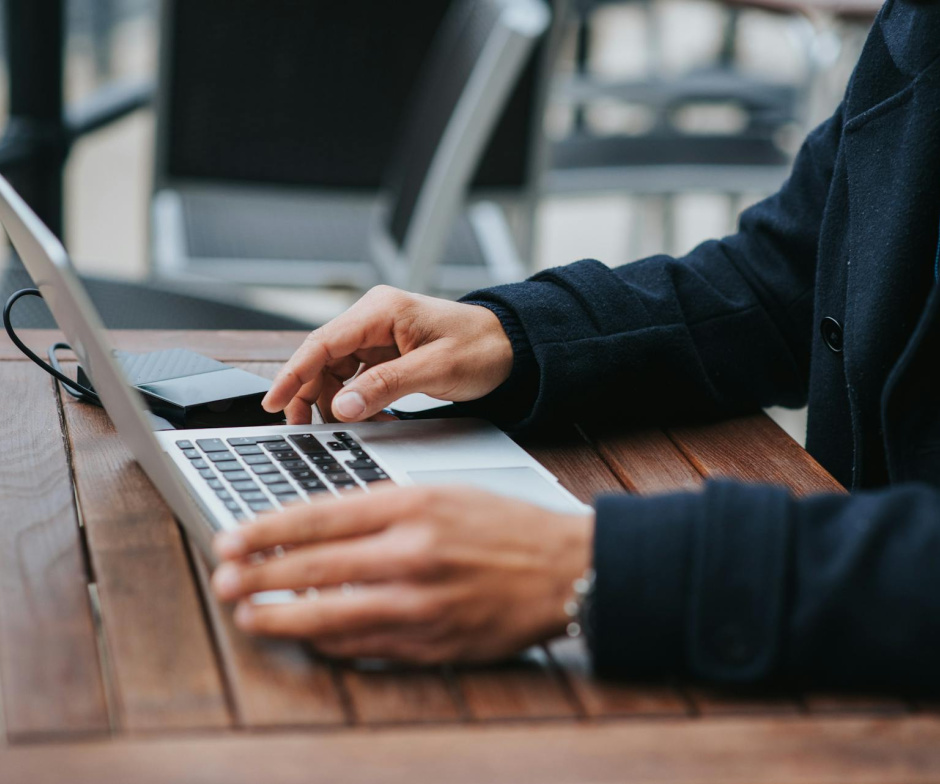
(116, 664)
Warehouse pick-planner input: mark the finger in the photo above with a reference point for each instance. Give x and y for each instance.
(422, 370)
(300, 410)
(363, 610)
(324, 565)
(366, 324)
(320, 521)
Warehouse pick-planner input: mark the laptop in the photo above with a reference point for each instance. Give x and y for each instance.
(217, 479)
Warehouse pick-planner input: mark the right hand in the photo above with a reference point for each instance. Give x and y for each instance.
(407, 343)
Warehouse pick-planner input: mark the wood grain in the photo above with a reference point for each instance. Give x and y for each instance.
(605, 699)
(388, 694)
(272, 683)
(526, 687)
(753, 449)
(645, 461)
(165, 671)
(579, 468)
(754, 751)
(223, 345)
(49, 666)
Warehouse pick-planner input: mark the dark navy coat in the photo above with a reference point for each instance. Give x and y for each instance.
(826, 295)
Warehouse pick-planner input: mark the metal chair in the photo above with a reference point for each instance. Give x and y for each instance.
(296, 220)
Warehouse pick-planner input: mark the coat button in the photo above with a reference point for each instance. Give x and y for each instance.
(832, 334)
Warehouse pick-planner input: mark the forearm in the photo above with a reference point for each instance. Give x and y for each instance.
(726, 328)
(745, 584)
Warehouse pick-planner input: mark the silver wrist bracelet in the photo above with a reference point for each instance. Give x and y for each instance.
(577, 608)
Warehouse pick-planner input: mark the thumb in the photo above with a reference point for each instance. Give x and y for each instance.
(383, 384)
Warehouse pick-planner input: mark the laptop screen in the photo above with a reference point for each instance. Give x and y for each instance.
(309, 93)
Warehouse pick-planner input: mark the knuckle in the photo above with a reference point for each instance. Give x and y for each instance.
(385, 380)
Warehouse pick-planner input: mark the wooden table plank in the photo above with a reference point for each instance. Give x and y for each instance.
(388, 694)
(581, 469)
(273, 683)
(526, 687)
(223, 345)
(854, 750)
(645, 461)
(49, 665)
(753, 449)
(165, 671)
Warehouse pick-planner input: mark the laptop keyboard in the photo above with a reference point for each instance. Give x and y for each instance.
(256, 474)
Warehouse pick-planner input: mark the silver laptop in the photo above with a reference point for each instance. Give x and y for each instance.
(215, 479)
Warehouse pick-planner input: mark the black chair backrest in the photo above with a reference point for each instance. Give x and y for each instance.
(308, 92)
(448, 67)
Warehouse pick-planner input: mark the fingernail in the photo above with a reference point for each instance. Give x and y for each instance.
(244, 614)
(226, 580)
(229, 545)
(349, 405)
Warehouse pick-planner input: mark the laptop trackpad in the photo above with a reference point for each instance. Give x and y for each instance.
(523, 483)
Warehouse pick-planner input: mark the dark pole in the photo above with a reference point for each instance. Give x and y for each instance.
(35, 47)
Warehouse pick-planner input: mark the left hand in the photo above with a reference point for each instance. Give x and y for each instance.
(418, 574)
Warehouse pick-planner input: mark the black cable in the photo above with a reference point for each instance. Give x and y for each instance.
(72, 387)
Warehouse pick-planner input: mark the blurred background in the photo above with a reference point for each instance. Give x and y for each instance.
(260, 163)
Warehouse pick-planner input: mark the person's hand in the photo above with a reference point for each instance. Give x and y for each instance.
(406, 343)
(423, 575)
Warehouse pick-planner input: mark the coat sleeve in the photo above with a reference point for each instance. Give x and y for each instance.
(745, 584)
(726, 328)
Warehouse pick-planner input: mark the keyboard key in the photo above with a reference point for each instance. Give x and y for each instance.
(372, 475)
(216, 484)
(360, 454)
(265, 469)
(207, 473)
(233, 506)
(192, 454)
(244, 486)
(330, 468)
(338, 446)
(277, 446)
(185, 444)
(248, 450)
(301, 474)
(291, 465)
(281, 489)
(225, 495)
(348, 482)
(260, 506)
(343, 435)
(228, 466)
(241, 441)
(311, 484)
(282, 456)
(253, 495)
(325, 457)
(212, 445)
(355, 465)
(337, 476)
(315, 490)
(271, 479)
(349, 489)
(200, 464)
(257, 460)
(218, 457)
(307, 443)
(238, 476)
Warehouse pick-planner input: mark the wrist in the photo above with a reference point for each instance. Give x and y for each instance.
(574, 562)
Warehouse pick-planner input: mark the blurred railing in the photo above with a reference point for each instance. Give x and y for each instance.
(41, 128)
